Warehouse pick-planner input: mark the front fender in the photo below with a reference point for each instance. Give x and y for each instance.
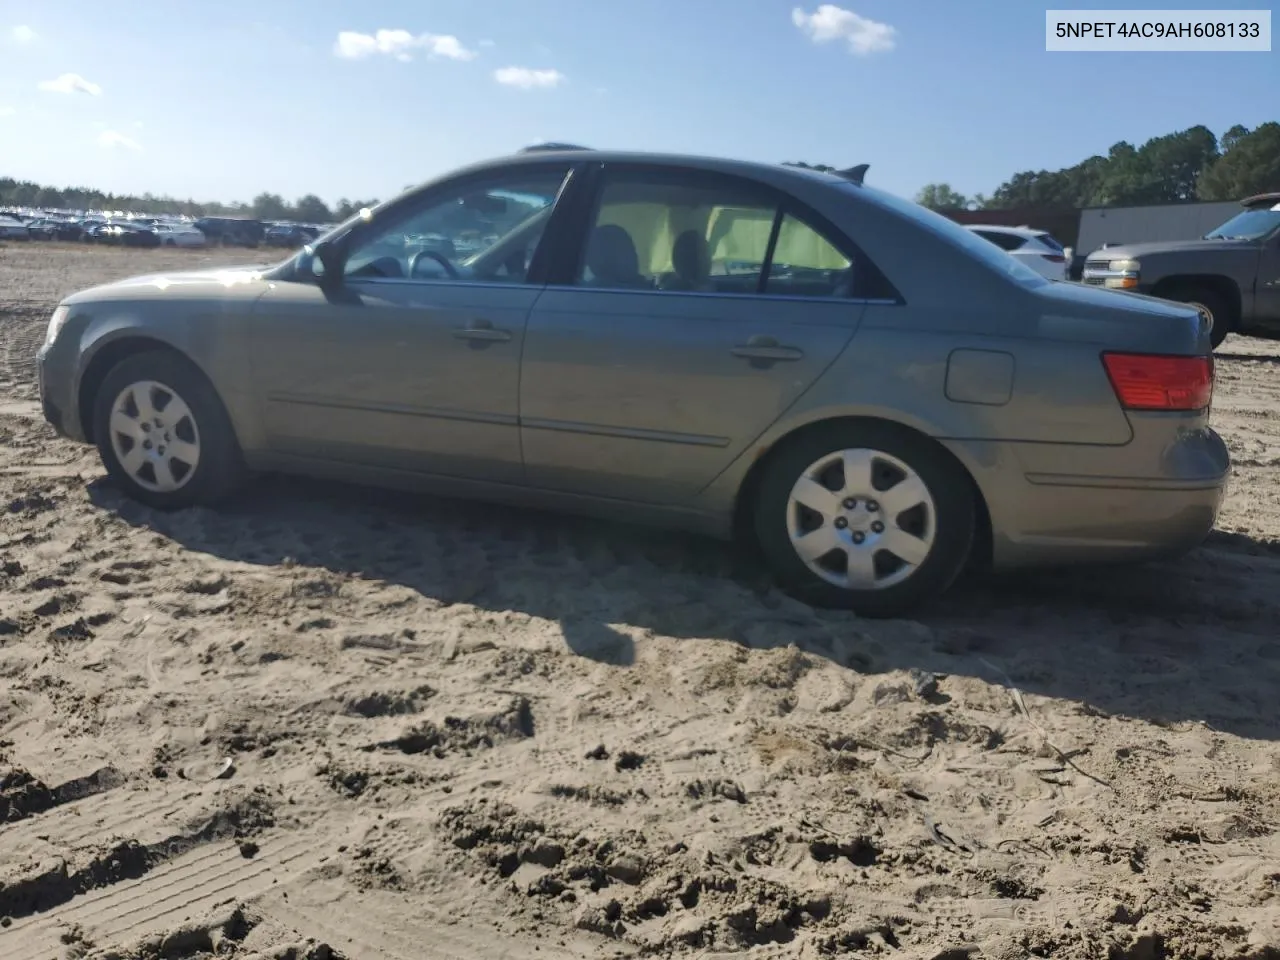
(211, 335)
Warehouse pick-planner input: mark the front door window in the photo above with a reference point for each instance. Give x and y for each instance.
(479, 233)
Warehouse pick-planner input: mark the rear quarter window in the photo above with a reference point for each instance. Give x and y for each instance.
(1005, 241)
(988, 254)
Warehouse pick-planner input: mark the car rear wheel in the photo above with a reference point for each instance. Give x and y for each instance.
(868, 517)
(163, 433)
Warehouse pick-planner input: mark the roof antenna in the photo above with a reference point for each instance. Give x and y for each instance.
(856, 173)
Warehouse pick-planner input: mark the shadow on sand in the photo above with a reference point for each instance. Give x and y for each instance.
(1195, 639)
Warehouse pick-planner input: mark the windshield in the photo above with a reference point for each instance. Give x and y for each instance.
(1249, 225)
(978, 248)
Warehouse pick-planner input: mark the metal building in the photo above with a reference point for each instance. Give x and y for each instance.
(1173, 221)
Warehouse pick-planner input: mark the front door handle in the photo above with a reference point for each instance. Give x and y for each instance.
(766, 348)
(481, 330)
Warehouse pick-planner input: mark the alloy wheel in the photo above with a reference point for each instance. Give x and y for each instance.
(154, 436)
(861, 519)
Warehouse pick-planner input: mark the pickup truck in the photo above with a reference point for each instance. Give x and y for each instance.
(1232, 274)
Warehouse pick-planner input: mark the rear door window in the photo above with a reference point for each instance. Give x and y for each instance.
(654, 232)
(661, 231)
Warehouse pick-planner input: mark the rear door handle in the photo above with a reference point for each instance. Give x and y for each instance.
(481, 330)
(766, 348)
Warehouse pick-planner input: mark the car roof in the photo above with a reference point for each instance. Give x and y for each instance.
(1014, 231)
(1261, 200)
(773, 172)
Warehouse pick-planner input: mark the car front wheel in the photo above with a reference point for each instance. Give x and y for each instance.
(865, 516)
(163, 433)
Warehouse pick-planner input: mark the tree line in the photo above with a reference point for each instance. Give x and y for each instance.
(265, 206)
(1189, 165)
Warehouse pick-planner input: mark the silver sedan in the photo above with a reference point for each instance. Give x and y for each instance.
(874, 394)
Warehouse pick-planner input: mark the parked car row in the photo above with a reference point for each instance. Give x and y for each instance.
(156, 231)
(231, 231)
(11, 228)
(121, 231)
(292, 235)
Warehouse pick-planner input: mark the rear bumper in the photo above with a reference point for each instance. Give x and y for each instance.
(1055, 514)
(1062, 524)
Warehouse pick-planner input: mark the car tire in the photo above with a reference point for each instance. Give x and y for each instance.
(937, 532)
(1212, 303)
(200, 430)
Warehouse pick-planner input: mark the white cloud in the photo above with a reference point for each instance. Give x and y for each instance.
(400, 44)
(830, 22)
(113, 138)
(354, 46)
(71, 83)
(526, 79)
(445, 46)
(7, 111)
(22, 34)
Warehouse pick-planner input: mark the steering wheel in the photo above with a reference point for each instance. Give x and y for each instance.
(449, 268)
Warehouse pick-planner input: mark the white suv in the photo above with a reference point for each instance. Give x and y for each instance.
(179, 235)
(1036, 248)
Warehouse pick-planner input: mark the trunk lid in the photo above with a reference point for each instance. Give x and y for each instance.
(1119, 320)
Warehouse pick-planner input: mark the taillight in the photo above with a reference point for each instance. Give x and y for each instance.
(1144, 381)
(1054, 257)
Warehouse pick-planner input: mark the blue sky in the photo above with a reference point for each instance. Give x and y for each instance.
(223, 100)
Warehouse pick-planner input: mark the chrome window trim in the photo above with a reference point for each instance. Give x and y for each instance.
(489, 284)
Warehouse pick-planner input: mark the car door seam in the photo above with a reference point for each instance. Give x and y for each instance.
(853, 333)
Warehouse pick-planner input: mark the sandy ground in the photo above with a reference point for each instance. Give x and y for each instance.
(325, 722)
